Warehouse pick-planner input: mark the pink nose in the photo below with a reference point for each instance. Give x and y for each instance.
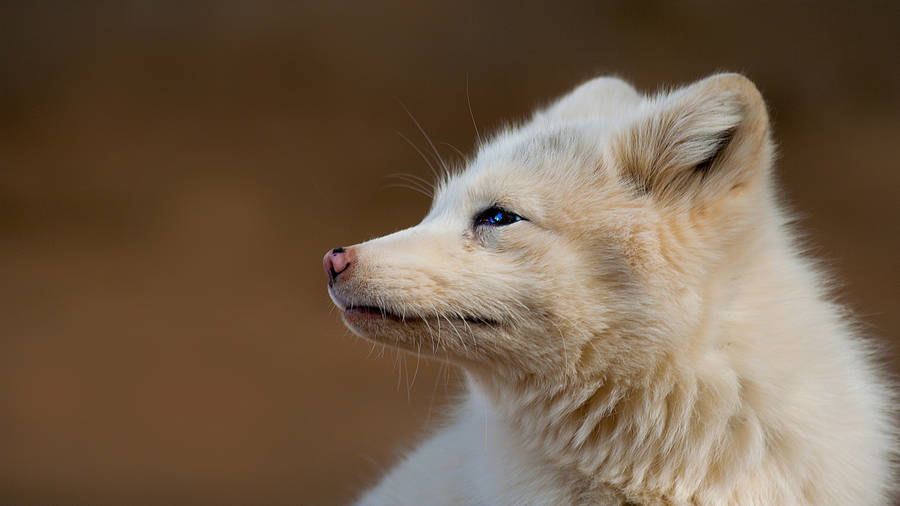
(335, 262)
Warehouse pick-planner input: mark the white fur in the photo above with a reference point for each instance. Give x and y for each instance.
(650, 334)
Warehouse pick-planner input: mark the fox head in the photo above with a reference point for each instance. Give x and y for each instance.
(585, 242)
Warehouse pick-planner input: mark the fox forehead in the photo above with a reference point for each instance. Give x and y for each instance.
(527, 168)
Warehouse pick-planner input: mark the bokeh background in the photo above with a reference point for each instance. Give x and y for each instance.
(172, 172)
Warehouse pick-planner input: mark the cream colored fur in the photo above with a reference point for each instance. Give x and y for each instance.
(649, 334)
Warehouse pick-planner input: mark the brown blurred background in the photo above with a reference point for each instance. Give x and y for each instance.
(172, 172)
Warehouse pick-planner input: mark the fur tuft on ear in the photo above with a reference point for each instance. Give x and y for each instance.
(698, 142)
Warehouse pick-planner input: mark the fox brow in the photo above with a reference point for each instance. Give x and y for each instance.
(557, 142)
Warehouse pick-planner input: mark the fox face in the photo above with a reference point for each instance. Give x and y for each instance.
(581, 243)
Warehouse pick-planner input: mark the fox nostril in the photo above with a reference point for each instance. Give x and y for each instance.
(335, 262)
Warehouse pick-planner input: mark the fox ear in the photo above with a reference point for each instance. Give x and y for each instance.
(599, 97)
(698, 142)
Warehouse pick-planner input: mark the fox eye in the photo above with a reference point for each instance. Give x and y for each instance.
(496, 217)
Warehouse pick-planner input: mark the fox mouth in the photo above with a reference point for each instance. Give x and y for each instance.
(376, 312)
(369, 312)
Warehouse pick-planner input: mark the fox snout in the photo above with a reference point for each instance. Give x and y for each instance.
(336, 262)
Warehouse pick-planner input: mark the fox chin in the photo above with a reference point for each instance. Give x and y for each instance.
(636, 324)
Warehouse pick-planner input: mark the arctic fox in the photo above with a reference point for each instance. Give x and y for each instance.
(636, 323)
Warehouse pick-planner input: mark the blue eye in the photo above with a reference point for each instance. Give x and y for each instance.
(496, 217)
